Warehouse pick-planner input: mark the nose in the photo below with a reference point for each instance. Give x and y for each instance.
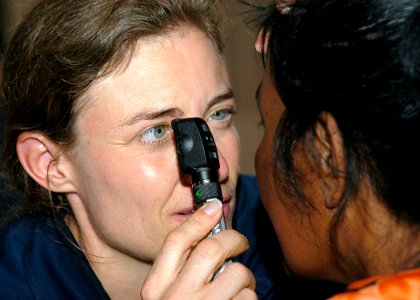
(223, 171)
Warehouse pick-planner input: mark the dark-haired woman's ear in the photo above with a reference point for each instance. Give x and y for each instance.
(40, 157)
(330, 158)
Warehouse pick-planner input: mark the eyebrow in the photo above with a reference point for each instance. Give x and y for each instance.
(226, 96)
(171, 112)
(174, 112)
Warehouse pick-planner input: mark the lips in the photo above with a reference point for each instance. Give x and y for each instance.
(226, 206)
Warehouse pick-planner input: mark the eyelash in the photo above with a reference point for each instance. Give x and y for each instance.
(228, 111)
(162, 140)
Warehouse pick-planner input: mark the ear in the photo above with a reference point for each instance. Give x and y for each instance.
(331, 160)
(43, 160)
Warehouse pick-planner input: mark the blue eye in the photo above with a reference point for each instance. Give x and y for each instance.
(154, 135)
(220, 115)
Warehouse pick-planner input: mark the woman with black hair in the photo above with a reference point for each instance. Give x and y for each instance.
(340, 104)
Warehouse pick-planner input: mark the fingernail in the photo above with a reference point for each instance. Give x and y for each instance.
(212, 207)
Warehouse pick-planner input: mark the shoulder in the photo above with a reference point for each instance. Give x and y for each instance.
(404, 285)
(39, 259)
(15, 239)
(248, 206)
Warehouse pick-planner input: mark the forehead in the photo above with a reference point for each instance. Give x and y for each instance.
(182, 67)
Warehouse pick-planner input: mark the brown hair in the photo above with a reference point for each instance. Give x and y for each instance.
(62, 47)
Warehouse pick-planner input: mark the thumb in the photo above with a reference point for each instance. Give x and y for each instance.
(177, 246)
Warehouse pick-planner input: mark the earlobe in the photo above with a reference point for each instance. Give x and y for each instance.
(41, 159)
(332, 159)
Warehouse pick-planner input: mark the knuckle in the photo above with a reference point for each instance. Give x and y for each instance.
(148, 292)
(240, 270)
(193, 227)
(209, 248)
(175, 238)
(239, 238)
(242, 273)
(176, 292)
(246, 294)
(194, 224)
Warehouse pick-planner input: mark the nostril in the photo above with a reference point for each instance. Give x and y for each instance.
(185, 179)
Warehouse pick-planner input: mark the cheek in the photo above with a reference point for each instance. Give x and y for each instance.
(259, 161)
(122, 174)
(263, 157)
(264, 172)
(150, 170)
(157, 173)
(269, 188)
(233, 153)
(266, 175)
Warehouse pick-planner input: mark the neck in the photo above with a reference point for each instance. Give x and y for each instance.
(122, 275)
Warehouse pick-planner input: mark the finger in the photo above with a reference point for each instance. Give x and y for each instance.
(235, 281)
(244, 278)
(209, 255)
(177, 247)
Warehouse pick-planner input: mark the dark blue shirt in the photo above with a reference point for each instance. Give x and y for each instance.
(39, 260)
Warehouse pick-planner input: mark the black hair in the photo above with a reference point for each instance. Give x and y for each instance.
(358, 60)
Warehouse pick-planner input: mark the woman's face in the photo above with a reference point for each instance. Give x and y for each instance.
(130, 192)
(302, 231)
